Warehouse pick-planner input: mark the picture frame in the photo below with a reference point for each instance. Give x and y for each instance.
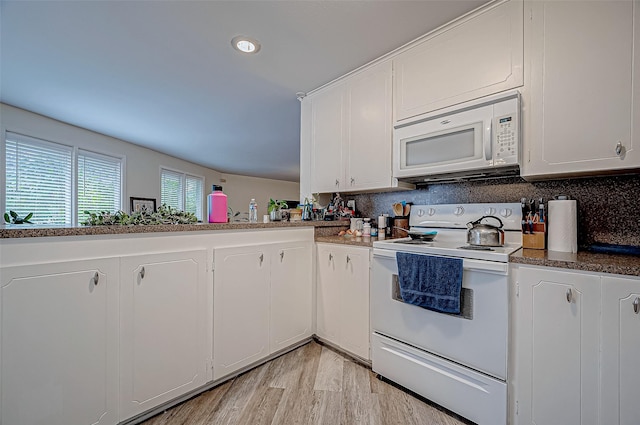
(137, 204)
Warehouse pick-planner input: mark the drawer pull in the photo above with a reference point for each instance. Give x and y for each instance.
(142, 273)
(569, 295)
(636, 305)
(96, 279)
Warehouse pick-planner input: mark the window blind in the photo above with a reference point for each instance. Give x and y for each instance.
(38, 179)
(99, 183)
(182, 191)
(172, 189)
(193, 196)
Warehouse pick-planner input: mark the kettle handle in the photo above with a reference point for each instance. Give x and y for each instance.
(486, 216)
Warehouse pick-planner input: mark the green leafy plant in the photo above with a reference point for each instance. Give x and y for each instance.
(276, 205)
(164, 215)
(13, 218)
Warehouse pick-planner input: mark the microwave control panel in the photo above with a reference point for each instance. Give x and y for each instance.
(506, 139)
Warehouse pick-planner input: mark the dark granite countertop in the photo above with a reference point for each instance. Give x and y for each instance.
(583, 260)
(31, 231)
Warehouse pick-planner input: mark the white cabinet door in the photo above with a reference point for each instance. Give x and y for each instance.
(291, 295)
(343, 297)
(328, 283)
(58, 350)
(620, 351)
(557, 328)
(327, 140)
(163, 350)
(369, 129)
(580, 105)
(354, 301)
(240, 308)
(468, 59)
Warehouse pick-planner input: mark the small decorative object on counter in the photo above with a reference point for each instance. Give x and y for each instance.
(366, 227)
(265, 218)
(12, 217)
(217, 205)
(253, 211)
(534, 224)
(275, 209)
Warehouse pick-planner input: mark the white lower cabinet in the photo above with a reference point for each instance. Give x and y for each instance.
(262, 302)
(342, 297)
(163, 346)
(58, 347)
(557, 364)
(291, 294)
(620, 351)
(577, 348)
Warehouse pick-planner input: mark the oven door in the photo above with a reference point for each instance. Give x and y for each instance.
(476, 339)
(453, 143)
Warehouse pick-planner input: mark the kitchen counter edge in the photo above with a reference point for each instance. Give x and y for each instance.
(627, 265)
(15, 232)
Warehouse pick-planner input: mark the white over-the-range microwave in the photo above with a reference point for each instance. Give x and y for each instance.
(476, 139)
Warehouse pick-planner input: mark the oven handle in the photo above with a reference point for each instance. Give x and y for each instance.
(467, 264)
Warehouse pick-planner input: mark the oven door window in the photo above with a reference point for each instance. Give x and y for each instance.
(443, 147)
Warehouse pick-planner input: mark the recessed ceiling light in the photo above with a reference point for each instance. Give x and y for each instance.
(245, 44)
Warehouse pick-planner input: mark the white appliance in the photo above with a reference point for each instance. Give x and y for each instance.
(477, 139)
(457, 361)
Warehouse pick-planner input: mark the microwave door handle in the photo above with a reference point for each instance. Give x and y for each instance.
(488, 142)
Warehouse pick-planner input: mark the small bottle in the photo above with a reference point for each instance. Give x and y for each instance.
(253, 211)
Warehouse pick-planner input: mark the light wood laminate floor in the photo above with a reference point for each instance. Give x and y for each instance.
(310, 385)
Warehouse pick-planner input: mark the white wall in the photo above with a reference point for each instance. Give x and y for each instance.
(240, 190)
(142, 173)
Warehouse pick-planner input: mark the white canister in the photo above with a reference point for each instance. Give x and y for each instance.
(366, 227)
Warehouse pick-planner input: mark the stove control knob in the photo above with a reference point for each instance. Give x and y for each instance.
(506, 212)
(459, 211)
(432, 211)
(420, 212)
(490, 211)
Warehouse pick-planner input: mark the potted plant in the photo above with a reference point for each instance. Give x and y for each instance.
(274, 209)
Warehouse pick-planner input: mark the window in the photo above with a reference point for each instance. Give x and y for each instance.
(41, 176)
(99, 183)
(182, 191)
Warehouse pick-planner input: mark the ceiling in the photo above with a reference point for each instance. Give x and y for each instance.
(162, 74)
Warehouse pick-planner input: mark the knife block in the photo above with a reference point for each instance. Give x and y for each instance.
(537, 240)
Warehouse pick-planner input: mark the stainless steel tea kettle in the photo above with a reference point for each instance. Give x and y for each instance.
(481, 234)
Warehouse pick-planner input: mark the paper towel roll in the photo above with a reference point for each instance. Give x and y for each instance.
(563, 225)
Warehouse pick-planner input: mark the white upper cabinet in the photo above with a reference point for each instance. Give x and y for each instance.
(476, 56)
(579, 115)
(347, 134)
(328, 113)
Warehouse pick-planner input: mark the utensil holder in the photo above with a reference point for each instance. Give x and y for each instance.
(537, 239)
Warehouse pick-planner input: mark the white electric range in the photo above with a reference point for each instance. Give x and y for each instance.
(457, 361)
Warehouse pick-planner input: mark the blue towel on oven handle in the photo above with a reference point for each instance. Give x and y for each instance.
(430, 282)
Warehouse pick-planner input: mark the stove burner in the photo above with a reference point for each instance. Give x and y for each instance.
(477, 248)
(416, 242)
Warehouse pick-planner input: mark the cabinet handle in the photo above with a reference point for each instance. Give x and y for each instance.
(142, 273)
(348, 259)
(337, 182)
(569, 295)
(353, 181)
(261, 257)
(330, 257)
(96, 279)
(636, 305)
(281, 256)
(619, 148)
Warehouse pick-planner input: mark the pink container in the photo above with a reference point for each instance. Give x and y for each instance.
(217, 205)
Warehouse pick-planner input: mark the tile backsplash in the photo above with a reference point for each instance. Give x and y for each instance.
(608, 207)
